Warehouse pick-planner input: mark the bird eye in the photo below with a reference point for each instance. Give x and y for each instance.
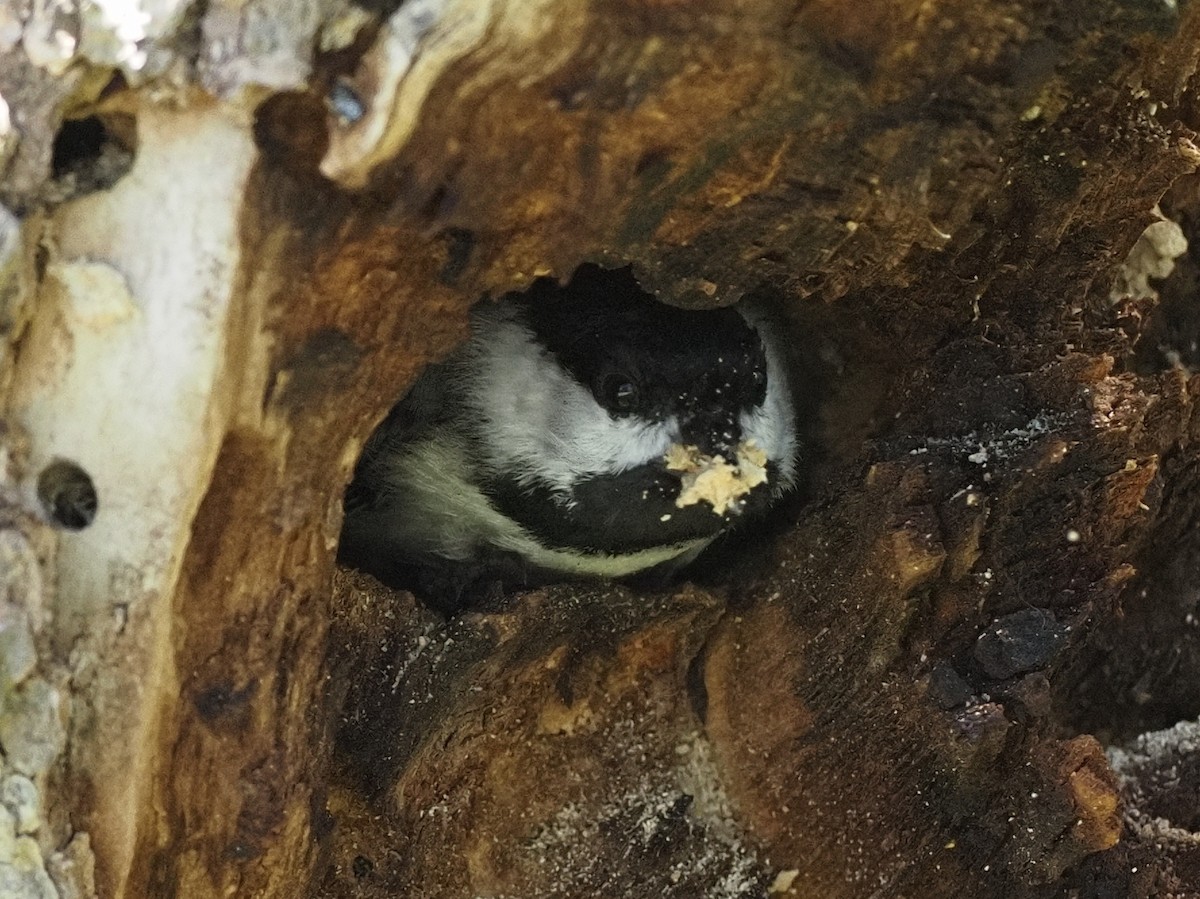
(758, 378)
(619, 393)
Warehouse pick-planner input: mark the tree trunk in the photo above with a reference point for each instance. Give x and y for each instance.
(964, 661)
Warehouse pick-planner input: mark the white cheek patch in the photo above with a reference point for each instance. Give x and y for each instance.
(538, 420)
(772, 425)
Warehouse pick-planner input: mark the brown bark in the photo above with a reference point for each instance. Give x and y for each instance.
(904, 689)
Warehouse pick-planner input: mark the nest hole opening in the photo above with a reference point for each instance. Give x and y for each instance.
(93, 153)
(548, 511)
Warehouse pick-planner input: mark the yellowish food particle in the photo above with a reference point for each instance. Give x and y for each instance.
(714, 480)
(784, 880)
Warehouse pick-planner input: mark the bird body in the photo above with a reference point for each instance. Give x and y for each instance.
(538, 449)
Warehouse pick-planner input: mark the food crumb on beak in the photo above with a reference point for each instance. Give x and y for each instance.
(713, 480)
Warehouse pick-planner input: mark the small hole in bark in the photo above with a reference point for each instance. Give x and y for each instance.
(67, 494)
(77, 142)
(93, 153)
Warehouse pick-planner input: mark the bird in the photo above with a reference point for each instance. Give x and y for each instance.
(582, 431)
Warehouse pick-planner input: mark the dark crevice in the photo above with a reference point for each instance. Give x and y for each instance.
(67, 494)
(92, 153)
(385, 9)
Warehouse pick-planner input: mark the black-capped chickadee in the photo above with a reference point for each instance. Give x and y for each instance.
(585, 431)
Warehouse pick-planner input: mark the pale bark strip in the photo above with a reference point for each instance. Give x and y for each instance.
(123, 371)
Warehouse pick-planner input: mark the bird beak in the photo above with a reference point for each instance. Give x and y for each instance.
(711, 478)
(714, 434)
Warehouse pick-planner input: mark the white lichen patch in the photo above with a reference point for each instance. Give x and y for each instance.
(1151, 765)
(108, 33)
(20, 796)
(567, 845)
(22, 868)
(665, 823)
(985, 448)
(713, 479)
(20, 607)
(32, 727)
